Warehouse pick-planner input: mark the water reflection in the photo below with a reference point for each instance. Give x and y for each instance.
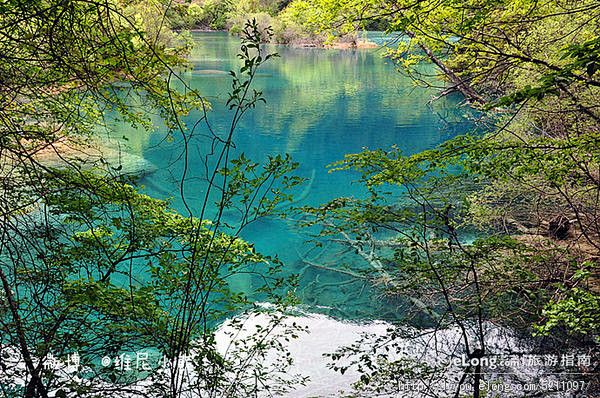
(321, 105)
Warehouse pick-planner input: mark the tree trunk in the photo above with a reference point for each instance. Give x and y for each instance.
(459, 84)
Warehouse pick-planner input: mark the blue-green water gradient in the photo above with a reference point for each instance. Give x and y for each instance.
(321, 105)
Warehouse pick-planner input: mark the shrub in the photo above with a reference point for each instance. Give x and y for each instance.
(237, 21)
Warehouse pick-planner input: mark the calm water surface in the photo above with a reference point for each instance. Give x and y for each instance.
(321, 105)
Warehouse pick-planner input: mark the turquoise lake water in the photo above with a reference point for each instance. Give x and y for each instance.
(321, 105)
